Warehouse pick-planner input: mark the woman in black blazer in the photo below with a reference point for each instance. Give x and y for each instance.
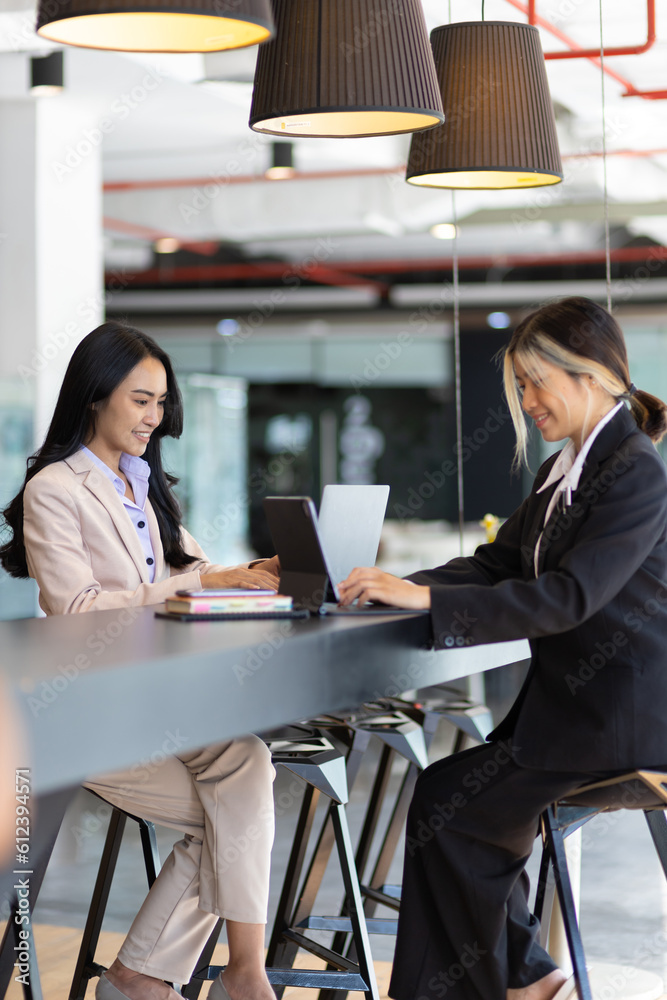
(580, 569)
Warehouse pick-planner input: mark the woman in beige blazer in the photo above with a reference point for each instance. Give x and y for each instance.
(97, 525)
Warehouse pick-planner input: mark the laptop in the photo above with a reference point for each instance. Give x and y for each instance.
(349, 526)
(307, 564)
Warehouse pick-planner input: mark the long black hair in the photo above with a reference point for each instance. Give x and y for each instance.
(99, 364)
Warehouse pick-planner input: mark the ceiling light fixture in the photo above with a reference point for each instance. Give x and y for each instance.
(499, 129)
(47, 74)
(282, 162)
(499, 320)
(166, 244)
(444, 231)
(156, 25)
(334, 69)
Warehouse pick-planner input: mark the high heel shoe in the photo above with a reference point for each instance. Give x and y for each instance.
(216, 992)
(105, 990)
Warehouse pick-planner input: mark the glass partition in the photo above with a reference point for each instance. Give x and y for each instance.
(18, 598)
(211, 462)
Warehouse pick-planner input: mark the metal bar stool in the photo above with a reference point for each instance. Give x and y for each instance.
(646, 790)
(406, 731)
(471, 721)
(86, 967)
(398, 734)
(320, 760)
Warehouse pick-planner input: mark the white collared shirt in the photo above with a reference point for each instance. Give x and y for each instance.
(138, 472)
(568, 468)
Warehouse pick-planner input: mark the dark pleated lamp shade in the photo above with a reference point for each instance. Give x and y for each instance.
(156, 25)
(499, 129)
(346, 68)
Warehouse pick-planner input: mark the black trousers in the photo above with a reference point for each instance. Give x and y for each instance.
(465, 931)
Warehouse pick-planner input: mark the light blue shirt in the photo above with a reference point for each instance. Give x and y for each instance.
(137, 472)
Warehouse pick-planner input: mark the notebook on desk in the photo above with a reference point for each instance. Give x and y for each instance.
(317, 553)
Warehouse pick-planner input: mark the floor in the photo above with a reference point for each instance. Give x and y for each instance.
(623, 890)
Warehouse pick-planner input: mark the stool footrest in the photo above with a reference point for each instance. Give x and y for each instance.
(393, 891)
(320, 951)
(378, 896)
(317, 979)
(374, 925)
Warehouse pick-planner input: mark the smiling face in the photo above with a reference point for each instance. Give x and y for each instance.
(562, 405)
(125, 420)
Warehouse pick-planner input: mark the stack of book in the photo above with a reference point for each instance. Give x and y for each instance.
(228, 603)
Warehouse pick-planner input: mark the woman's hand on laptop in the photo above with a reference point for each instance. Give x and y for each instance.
(372, 584)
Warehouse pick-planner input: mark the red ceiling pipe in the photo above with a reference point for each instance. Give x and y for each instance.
(280, 270)
(315, 175)
(223, 180)
(577, 52)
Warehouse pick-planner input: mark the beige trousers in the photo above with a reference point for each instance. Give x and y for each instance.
(221, 798)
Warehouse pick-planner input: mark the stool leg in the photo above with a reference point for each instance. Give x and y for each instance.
(280, 952)
(193, 988)
(150, 850)
(556, 847)
(657, 824)
(366, 836)
(544, 896)
(393, 833)
(354, 901)
(84, 970)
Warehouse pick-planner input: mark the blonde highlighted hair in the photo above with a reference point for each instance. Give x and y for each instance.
(581, 338)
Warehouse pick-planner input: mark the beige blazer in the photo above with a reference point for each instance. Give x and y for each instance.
(84, 551)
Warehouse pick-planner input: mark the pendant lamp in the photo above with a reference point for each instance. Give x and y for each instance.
(156, 25)
(499, 129)
(341, 68)
(47, 74)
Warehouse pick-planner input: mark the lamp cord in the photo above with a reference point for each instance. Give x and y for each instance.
(457, 370)
(607, 243)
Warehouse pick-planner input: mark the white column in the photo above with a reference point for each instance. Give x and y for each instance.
(51, 263)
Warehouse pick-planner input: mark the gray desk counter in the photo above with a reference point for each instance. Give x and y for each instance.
(103, 690)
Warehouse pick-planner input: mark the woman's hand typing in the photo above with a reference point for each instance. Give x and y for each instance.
(264, 576)
(372, 584)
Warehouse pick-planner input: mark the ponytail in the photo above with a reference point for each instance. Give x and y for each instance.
(650, 414)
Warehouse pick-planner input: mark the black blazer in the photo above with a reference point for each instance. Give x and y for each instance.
(595, 697)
